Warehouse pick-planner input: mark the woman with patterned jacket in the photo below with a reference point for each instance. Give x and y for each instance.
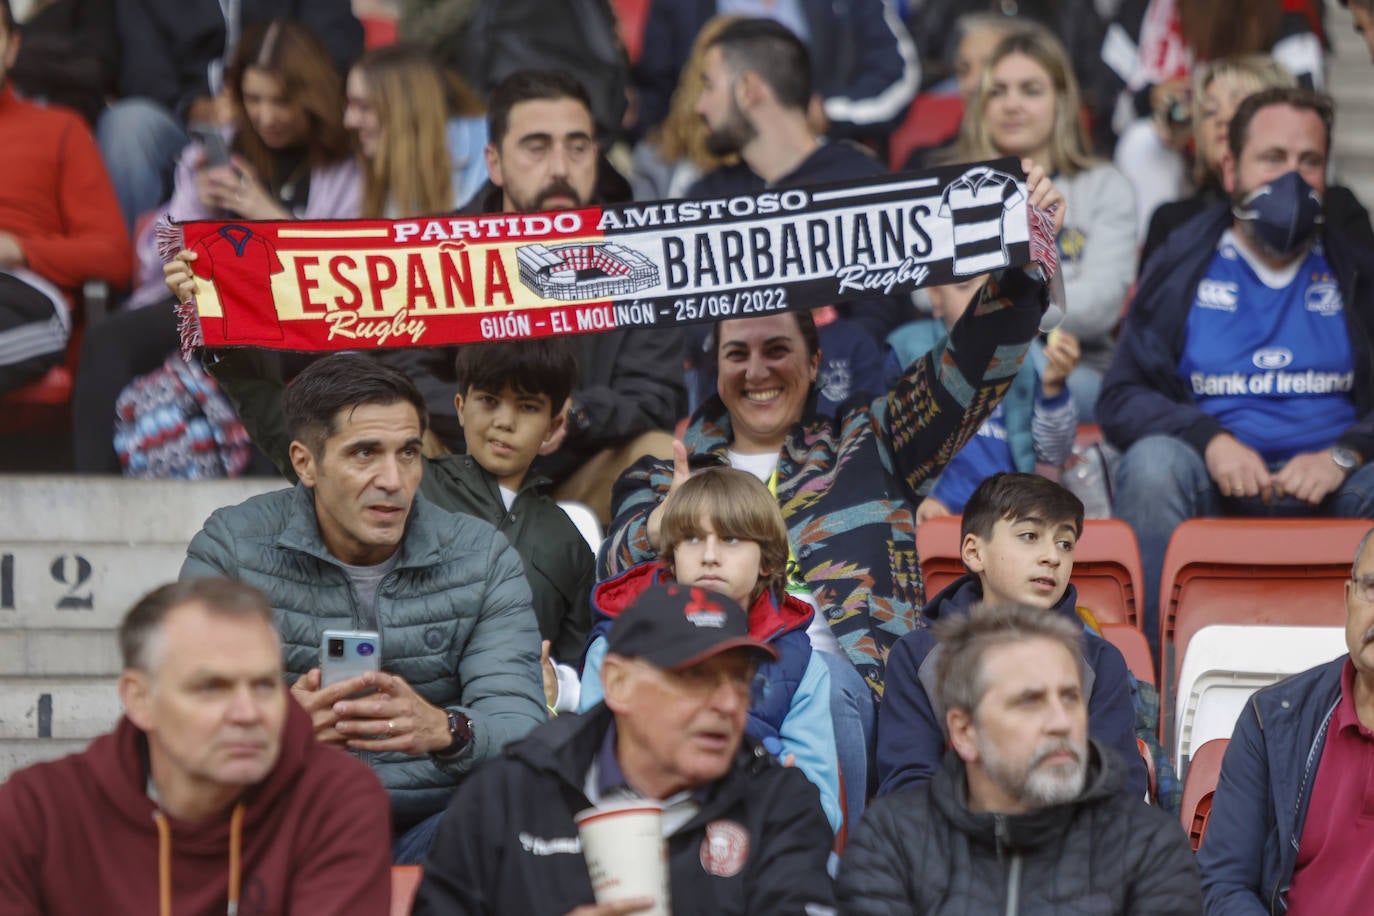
(845, 481)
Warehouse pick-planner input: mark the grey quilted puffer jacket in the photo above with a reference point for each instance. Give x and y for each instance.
(455, 618)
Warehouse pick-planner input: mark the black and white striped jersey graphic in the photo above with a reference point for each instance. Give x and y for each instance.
(977, 202)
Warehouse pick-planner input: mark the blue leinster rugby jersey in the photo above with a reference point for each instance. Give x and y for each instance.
(1268, 353)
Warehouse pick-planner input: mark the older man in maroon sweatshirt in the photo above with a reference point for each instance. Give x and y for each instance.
(210, 796)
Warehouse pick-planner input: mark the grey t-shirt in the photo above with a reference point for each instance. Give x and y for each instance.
(366, 580)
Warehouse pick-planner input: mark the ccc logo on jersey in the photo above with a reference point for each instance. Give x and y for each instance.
(1272, 358)
(1216, 294)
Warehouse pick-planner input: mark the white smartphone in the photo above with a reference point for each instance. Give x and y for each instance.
(348, 653)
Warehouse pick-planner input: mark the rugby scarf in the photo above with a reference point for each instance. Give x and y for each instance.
(340, 285)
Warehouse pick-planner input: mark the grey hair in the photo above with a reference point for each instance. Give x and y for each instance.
(965, 640)
(1359, 551)
(140, 632)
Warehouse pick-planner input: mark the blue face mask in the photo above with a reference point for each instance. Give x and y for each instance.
(1283, 215)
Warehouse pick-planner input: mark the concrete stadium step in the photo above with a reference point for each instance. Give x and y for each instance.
(75, 553)
(70, 709)
(15, 755)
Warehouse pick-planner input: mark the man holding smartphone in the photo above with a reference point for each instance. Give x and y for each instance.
(354, 547)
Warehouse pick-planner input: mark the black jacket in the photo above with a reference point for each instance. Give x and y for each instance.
(831, 161)
(863, 61)
(508, 843)
(169, 44)
(923, 851)
(559, 565)
(69, 55)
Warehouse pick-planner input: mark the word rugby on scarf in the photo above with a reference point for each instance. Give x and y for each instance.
(337, 285)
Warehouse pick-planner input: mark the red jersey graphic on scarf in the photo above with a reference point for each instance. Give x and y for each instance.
(245, 262)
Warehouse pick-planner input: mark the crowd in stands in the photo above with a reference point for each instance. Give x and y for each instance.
(751, 649)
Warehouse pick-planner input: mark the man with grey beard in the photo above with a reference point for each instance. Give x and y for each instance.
(1025, 814)
(1289, 825)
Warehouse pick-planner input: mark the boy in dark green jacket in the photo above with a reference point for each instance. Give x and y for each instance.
(511, 407)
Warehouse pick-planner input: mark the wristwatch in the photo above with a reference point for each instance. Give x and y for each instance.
(460, 730)
(1347, 459)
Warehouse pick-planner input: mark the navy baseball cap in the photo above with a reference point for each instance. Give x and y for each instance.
(676, 626)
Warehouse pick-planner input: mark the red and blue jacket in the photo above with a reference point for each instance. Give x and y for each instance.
(790, 713)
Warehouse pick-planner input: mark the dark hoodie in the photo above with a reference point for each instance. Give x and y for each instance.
(911, 734)
(508, 844)
(925, 851)
(80, 836)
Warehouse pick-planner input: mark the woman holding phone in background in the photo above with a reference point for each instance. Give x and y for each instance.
(290, 158)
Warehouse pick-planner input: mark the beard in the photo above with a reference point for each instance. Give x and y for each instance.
(732, 136)
(558, 187)
(1038, 785)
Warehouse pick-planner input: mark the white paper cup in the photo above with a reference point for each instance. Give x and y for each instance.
(626, 854)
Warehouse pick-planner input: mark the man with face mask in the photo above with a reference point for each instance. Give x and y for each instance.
(1242, 381)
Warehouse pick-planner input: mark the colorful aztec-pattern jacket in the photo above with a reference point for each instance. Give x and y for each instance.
(846, 481)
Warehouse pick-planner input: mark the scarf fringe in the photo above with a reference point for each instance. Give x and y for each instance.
(1043, 247)
(170, 241)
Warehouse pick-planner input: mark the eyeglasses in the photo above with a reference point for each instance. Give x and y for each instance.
(702, 681)
(1364, 588)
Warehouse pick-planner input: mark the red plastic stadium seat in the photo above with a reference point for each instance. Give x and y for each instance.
(1087, 434)
(1106, 568)
(379, 31)
(932, 118)
(630, 17)
(1199, 788)
(45, 405)
(405, 883)
(1107, 572)
(1250, 571)
(1134, 647)
(1106, 565)
(1151, 774)
(937, 546)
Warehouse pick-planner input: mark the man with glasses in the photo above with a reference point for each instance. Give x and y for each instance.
(1289, 827)
(744, 834)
